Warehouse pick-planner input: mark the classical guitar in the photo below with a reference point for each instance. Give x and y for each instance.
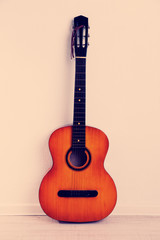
(77, 188)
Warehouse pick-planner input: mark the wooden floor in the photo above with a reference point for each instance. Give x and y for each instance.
(111, 228)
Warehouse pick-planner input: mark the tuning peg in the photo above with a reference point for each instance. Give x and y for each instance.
(88, 27)
(88, 35)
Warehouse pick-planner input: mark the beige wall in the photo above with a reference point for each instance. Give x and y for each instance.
(123, 95)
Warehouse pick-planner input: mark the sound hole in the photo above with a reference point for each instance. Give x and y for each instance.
(77, 193)
(78, 159)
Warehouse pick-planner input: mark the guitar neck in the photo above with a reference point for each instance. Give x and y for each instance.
(78, 133)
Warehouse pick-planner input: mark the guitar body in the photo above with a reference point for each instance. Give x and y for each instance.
(90, 176)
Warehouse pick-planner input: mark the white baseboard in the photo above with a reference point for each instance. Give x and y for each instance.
(35, 209)
(137, 210)
(21, 209)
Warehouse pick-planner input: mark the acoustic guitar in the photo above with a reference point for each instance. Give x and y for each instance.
(77, 188)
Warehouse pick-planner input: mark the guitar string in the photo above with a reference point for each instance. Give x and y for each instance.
(74, 32)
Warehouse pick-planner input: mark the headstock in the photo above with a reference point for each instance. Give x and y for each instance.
(80, 36)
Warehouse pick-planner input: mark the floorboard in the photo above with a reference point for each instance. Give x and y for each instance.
(111, 228)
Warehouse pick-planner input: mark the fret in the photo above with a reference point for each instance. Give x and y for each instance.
(74, 145)
(78, 120)
(80, 60)
(77, 97)
(80, 72)
(80, 66)
(80, 83)
(78, 143)
(81, 103)
(79, 131)
(79, 139)
(78, 127)
(79, 114)
(81, 121)
(80, 107)
(76, 136)
(80, 76)
(79, 92)
(80, 69)
(79, 110)
(79, 117)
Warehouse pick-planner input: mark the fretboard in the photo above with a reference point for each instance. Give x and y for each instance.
(78, 133)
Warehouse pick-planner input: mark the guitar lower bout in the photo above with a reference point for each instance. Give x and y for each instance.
(84, 195)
